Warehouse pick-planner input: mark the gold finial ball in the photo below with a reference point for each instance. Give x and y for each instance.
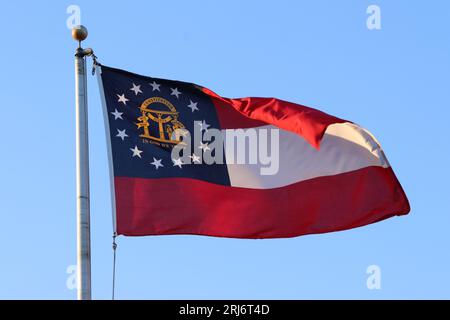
(79, 33)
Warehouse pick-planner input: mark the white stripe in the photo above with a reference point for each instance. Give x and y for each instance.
(98, 71)
(345, 147)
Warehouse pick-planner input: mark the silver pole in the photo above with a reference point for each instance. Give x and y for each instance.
(79, 33)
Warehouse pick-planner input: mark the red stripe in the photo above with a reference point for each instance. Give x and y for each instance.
(324, 204)
(307, 122)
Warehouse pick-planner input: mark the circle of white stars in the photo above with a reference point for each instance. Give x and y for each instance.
(136, 89)
(155, 86)
(177, 162)
(136, 152)
(117, 114)
(121, 134)
(157, 163)
(203, 126)
(122, 98)
(192, 105)
(175, 92)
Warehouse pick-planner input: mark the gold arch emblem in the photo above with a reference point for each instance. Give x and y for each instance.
(166, 121)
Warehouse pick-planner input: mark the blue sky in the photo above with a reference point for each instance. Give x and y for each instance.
(393, 81)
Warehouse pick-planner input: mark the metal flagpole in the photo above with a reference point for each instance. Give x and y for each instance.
(80, 33)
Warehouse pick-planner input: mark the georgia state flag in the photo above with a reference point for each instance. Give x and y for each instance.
(246, 168)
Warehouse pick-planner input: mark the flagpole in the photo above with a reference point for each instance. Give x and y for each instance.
(80, 33)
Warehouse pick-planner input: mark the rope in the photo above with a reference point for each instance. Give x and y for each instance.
(95, 63)
(114, 247)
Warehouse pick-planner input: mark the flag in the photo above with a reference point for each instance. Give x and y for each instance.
(184, 160)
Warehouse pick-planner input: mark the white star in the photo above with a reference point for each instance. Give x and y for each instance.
(195, 158)
(204, 126)
(136, 152)
(136, 89)
(117, 114)
(175, 92)
(155, 86)
(204, 146)
(122, 98)
(177, 162)
(121, 134)
(157, 163)
(192, 105)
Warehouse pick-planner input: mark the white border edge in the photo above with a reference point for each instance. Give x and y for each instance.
(98, 71)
